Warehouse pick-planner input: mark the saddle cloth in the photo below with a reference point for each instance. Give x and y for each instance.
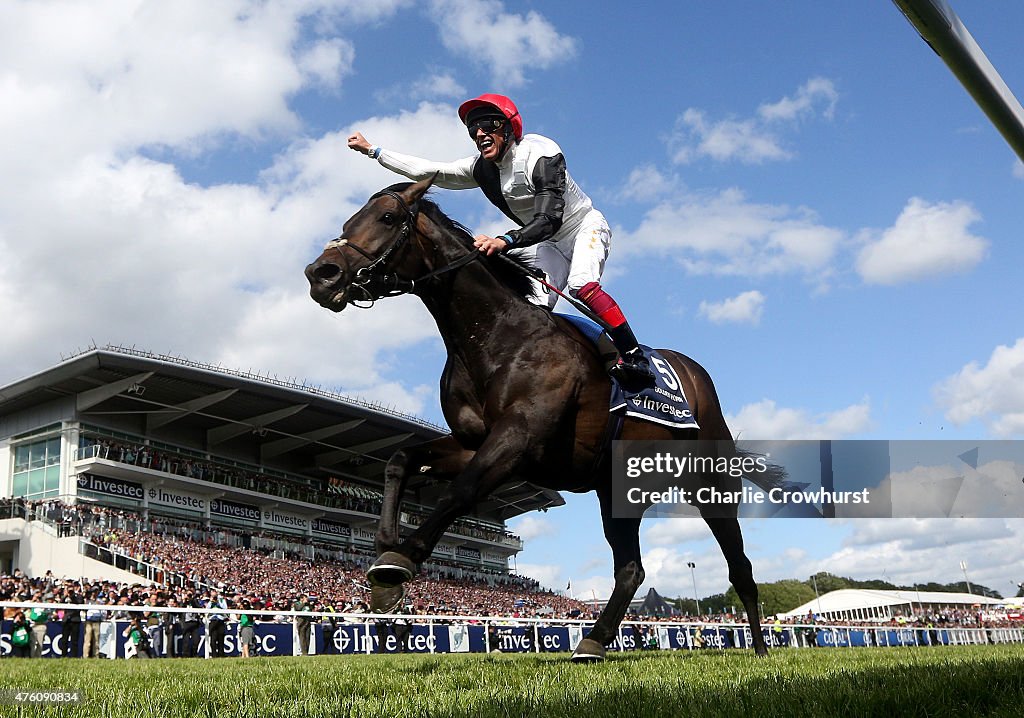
(664, 403)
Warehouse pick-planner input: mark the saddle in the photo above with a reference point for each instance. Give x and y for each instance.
(661, 403)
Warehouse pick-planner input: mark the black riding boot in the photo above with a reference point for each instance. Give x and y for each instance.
(632, 366)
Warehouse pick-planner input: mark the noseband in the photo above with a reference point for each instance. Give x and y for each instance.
(375, 274)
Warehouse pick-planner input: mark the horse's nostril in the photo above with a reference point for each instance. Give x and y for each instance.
(326, 272)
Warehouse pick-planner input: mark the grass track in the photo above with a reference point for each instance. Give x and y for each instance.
(932, 682)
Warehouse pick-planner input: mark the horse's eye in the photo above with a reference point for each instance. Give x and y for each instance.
(388, 219)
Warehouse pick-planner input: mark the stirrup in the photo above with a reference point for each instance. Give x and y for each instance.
(632, 368)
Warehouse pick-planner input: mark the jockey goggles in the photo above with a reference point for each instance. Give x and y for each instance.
(487, 124)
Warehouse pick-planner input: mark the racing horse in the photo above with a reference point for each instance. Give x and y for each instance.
(525, 394)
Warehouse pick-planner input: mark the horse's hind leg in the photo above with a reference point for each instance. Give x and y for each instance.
(623, 536)
(741, 574)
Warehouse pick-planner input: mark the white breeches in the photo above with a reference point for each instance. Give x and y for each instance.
(573, 260)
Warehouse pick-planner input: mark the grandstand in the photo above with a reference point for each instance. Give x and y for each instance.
(163, 438)
(869, 605)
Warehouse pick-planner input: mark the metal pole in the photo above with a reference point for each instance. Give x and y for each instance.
(693, 575)
(963, 567)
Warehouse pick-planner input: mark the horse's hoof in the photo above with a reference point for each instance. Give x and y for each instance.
(390, 569)
(386, 600)
(588, 651)
(761, 652)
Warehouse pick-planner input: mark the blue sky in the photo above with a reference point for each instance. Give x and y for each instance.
(803, 199)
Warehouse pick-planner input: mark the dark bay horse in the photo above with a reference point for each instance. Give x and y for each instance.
(525, 395)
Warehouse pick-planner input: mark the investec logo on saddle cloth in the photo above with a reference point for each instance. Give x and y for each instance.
(664, 403)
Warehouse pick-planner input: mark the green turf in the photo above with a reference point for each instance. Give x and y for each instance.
(847, 683)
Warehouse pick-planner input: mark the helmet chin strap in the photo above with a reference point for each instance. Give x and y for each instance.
(508, 138)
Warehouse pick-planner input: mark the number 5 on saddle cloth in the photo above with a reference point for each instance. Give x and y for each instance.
(663, 403)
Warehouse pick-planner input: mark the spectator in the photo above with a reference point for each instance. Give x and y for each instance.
(302, 623)
(217, 624)
(94, 617)
(246, 630)
(71, 625)
(21, 636)
(39, 618)
(138, 638)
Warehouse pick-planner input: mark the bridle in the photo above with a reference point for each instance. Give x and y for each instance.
(374, 281)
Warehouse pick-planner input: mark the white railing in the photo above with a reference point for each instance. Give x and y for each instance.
(363, 622)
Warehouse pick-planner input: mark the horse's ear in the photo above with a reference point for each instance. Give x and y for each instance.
(413, 192)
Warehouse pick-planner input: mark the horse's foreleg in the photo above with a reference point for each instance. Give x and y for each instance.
(496, 462)
(623, 536)
(440, 458)
(741, 574)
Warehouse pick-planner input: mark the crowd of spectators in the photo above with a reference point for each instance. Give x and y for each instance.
(331, 491)
(272, 569)
(948, 617)
(273, 579)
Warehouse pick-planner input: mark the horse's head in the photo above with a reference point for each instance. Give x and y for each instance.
(369, 260)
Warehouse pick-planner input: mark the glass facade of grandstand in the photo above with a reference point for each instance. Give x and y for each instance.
(36, 473)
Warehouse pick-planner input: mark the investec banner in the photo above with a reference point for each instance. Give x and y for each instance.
(278, 519)
(444, 550)
(110, 487)
(161, 496)
(466, 552)
(278, 639)
(331, 528)
(494, 558)
(235, 510)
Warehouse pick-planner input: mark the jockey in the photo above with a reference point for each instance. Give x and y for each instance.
(525, 177)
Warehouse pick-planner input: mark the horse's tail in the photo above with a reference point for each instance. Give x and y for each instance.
(768, 476)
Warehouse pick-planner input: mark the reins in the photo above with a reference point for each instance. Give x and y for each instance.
(392, 284)
(539, 275)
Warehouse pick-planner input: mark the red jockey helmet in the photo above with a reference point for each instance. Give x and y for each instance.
(499, 102)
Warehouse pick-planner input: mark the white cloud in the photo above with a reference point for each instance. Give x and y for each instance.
(666, 570)
(647, 183)
(726, 234)
(906, 551)
(926, 240)
(440, 84)
(745, 308)
(532, 526)
(743, 140)
(993, 393)
(509, 44)
(752, 140)
(766, 420)
(548, 575)
(327, 61)
(212, 272)
(918, 534)
(1018, 169)
(87, 77)
(671, 532)
(812, 95)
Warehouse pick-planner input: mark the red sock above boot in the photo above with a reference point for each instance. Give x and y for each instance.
(601, 304)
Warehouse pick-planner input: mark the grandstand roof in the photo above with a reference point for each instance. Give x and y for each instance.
(252, 417)
(851, 599)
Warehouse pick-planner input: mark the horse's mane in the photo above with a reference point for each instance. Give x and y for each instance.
(516, 279)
